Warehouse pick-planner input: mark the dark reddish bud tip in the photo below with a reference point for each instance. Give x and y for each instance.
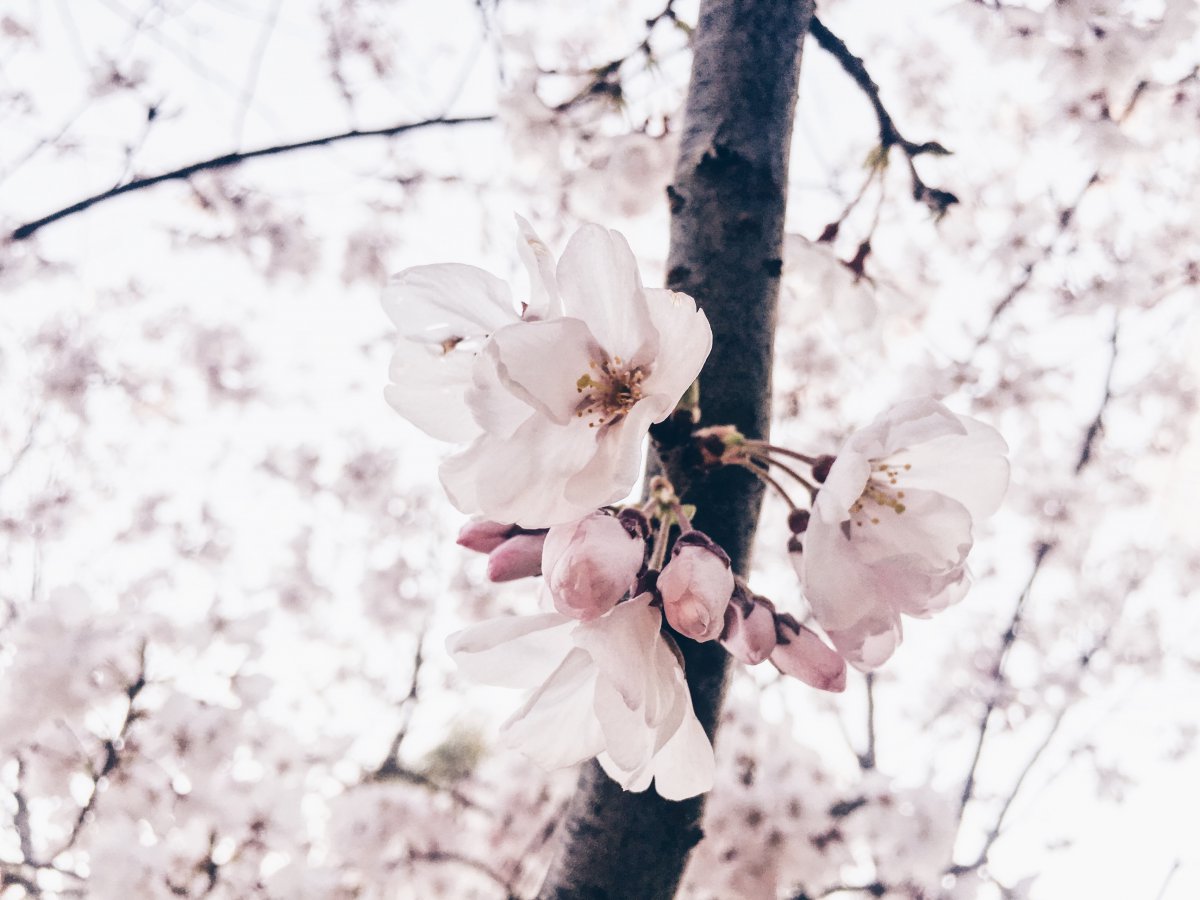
(830, 232)
(696, 538)
(798, 521)
(820, 469)
(635, 523)
(794, 545)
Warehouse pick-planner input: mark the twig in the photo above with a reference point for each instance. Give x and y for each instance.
(233, 159)
(889, 135)
(112, 756)
(21, 818)
(998, 825)
(1096, 427)
(1010, 635)
(1065, 218)
(1162, 891)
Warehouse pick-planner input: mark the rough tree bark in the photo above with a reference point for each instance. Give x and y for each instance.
(727, 211)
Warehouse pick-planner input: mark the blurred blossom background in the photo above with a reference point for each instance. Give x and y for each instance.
(227, 569)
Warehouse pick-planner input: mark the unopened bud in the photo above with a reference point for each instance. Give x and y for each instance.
(801, 654)
(798, 521)
(591, 564)
(484, 536)
(696, 586)
(749, 633)
(518, 557)
(820, 468)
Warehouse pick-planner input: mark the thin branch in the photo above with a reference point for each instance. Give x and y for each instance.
(21, 818)
(233, 159)
(1010, 636)
(256, 61)
(998, 825)
(112, 756)
(1065, 218)
(1162, 891)
(1096, 426)
(889, 135)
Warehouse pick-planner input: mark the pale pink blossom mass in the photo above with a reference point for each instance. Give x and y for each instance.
(892, 524)
(610, 688)
(553, 402)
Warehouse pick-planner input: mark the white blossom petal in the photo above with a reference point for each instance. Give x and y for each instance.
(556, 726)
(599, 283)
(972, 468)
(685, 340)
(685, 765)
(544, 302)
(428, 388)
(542, 364)
(447, 302)
(512, 651)
(519, 479)
(616, 464)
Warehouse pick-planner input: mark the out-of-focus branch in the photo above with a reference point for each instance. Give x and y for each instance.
(112, 754)
(1065, 217)
(1096, 426)
(232, 159)
(938, 200)
(998, 676)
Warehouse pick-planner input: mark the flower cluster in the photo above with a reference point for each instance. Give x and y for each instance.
(552, 402)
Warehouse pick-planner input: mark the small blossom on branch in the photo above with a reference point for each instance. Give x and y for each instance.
(892, 524)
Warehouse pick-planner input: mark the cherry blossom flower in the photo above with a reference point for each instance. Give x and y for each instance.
(555, 401)
(591, 564)
(892, 524)
(611, 688)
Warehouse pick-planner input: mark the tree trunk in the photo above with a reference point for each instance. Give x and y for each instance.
(727, 211)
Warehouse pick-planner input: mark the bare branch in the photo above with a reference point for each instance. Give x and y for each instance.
(233, 159)
(936, 199)
(998, 677)
(112, 754)
(1096, 426)
(1065, 217)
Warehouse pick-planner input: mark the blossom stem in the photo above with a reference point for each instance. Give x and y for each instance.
(658, 556)
(783, 451)
(766, 479)
(685, 524)
(808, 485)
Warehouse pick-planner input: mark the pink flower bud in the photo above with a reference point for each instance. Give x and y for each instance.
(749, 633)
(518, 557)
(591, 564)
(484, 536)
(696, 586)
(801, 654)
